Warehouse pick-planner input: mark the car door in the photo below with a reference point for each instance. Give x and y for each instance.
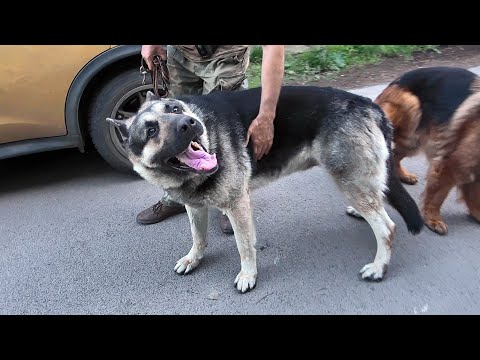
(34, 81)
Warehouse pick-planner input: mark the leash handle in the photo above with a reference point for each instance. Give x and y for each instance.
(159, 73)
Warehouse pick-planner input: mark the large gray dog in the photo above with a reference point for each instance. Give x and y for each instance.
(195, 147)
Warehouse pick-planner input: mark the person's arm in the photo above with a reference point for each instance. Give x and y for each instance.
(149, 51)
(261, 128)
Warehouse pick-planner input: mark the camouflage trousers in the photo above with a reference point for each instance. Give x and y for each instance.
(194, 78)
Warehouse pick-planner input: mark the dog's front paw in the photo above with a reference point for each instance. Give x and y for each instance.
(374, 271)
(186, 264)
(437, 226)
(245, 282)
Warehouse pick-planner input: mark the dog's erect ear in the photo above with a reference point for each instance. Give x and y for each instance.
(151, 96)
(122, 127)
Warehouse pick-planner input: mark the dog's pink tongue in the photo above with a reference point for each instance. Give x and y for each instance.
(198, 159)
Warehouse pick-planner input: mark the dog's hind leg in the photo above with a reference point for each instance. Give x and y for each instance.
(403, 109)
(369, 205)
(241, 217)
(440, 181)
(199, 224)
(471, 196)
(406, 176)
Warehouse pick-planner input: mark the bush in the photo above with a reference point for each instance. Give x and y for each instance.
(331, 58)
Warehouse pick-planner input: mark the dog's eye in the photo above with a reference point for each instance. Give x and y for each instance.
(151, 132)
(175, 109)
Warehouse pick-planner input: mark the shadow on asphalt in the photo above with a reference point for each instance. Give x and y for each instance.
(53, 167)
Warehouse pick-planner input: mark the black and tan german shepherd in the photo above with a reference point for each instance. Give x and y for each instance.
(437, 110)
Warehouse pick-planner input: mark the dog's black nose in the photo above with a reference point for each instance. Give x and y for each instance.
(187, 124)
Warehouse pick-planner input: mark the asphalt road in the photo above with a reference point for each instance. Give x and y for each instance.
(69, 244)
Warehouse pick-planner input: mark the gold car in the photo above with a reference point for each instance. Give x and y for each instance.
(58, 96)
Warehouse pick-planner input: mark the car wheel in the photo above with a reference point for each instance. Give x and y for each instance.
(119, 98)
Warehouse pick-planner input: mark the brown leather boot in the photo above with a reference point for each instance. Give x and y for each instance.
(225, 224)
(159, 212)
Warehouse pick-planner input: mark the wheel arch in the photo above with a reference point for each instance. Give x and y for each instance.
(111, 61)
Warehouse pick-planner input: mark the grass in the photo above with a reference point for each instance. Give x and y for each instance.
(309, 65)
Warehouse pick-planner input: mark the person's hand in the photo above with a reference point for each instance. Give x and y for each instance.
(261, 132)
(149, 51)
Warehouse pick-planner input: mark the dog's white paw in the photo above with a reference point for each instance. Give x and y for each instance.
(245, 282)
(353, 212)
(374, 271)
(186, 264)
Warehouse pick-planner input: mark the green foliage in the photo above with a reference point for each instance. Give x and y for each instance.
(330, 58)
(256, 54)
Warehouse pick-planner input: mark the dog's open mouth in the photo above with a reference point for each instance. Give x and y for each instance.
(195, 158)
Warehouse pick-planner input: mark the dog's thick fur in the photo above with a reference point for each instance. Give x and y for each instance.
(346, 133)
(437, 110)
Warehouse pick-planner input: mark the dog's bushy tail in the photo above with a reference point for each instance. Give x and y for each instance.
(399, 197)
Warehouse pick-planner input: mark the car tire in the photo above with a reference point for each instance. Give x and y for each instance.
(119, 97)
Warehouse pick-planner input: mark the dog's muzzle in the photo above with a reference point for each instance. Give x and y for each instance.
(195, 157)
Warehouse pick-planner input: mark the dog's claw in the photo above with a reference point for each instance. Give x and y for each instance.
(185, 265)
(177, 267)
(245, 282)
(373, 272)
